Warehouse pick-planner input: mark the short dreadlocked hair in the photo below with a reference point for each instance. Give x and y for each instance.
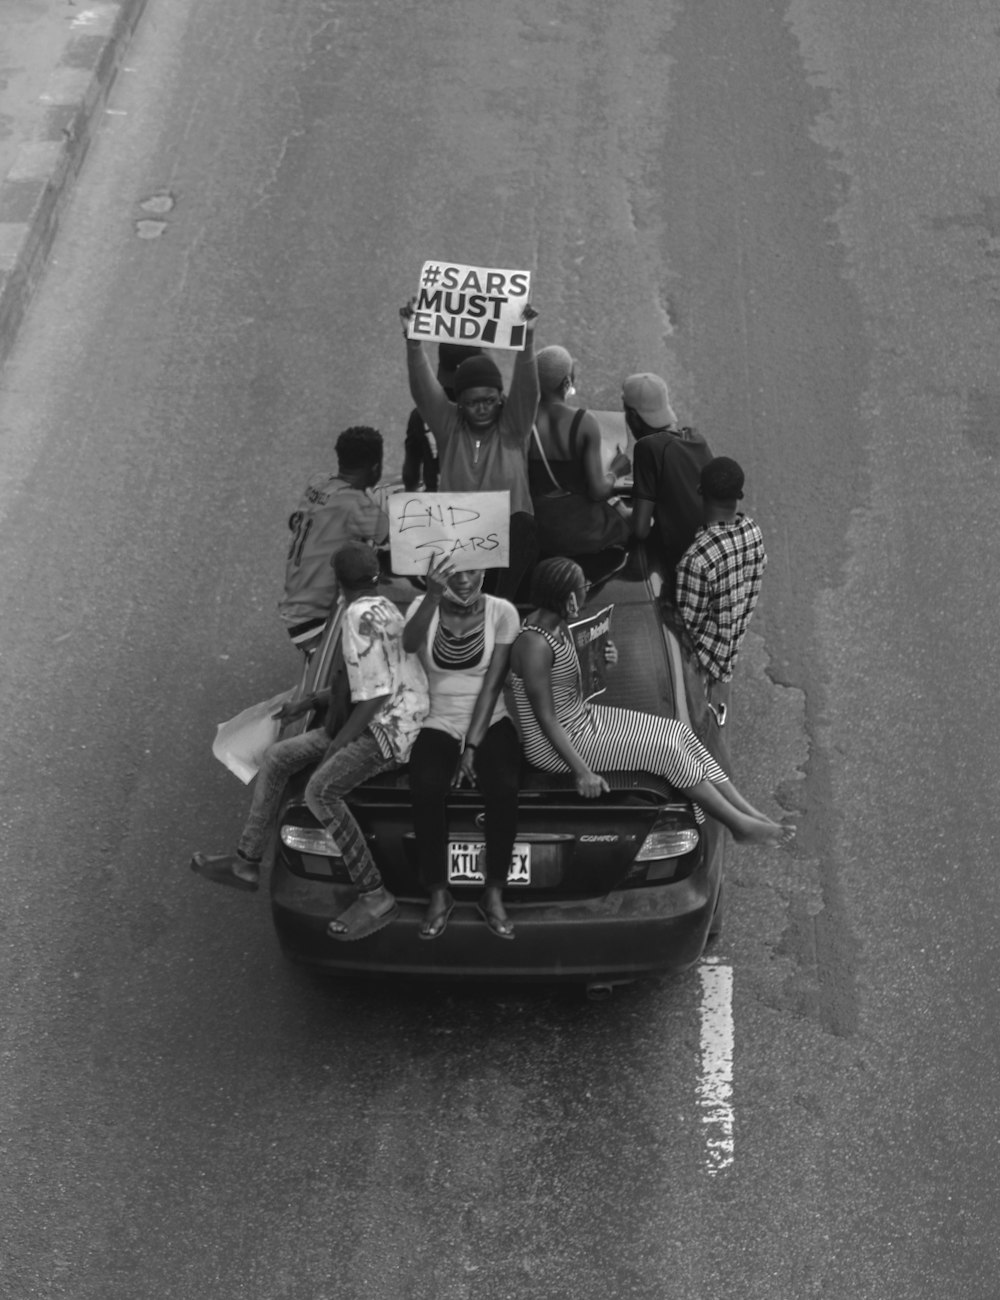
(358, 447)
(553, 581)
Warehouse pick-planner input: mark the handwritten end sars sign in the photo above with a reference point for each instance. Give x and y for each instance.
(479, 306)
(471, 528)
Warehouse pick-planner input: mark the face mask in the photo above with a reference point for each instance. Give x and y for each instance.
(463, 602)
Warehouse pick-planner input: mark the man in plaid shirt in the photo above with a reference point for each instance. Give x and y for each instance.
(719, 575)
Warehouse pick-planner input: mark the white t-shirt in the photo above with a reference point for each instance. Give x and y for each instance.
(454, 691)
(377, 665)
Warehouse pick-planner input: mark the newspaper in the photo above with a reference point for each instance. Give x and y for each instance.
(591, 636)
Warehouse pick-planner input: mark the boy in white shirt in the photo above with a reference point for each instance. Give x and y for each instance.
(390, 698)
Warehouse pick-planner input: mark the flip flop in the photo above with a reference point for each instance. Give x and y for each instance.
(359, 923)
(219, 868)
(436, 927)
(502, 929)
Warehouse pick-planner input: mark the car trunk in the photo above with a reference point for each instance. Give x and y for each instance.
(565, 846)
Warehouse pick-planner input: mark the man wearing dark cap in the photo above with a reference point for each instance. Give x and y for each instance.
(390, 701)
(420, 457)
(482, 436)
(719, 575)
(666, 462)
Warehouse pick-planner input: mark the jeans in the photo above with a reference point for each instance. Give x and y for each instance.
(498, 774)
(336, 776)
(281, 760)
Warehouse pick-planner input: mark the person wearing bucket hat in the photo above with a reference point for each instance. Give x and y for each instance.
(571, 491)
(667, 460)
(719, 575)
(482, 437)
(420, 458)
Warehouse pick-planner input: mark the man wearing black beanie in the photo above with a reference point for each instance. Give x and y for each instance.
(420, 458)
(482, 437)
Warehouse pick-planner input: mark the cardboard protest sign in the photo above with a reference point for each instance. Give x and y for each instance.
(590, 636)
(471, 528)
(615, 437)
(615, 434)
(475, 305)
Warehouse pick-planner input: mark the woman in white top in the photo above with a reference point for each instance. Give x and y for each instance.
(463, 638)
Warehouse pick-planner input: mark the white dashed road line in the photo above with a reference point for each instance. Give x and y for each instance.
(715, 1072)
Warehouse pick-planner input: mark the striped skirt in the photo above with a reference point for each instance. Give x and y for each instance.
(617, 740)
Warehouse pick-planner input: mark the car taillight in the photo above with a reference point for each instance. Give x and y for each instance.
(662, 854)
(310, 839)
(668, 842)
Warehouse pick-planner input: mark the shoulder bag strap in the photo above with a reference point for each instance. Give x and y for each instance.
(573, 428)
(545, 460)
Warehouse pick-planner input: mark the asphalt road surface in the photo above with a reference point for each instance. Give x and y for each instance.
(790, 209)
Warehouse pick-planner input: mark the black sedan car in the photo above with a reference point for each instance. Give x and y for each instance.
(601, 891)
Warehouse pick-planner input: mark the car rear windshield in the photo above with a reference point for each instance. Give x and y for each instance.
(641, 679)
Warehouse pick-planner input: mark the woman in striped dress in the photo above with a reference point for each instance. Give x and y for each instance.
(560, 732)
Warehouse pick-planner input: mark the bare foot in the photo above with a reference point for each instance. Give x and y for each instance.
(436, 917)
(493, 912)
(764, 831)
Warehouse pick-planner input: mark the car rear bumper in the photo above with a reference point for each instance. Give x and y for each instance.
(618, 937)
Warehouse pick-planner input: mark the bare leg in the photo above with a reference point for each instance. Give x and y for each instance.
(730, 792)
(745, 827)
(493, 912)
(438, 911)
(493, 902)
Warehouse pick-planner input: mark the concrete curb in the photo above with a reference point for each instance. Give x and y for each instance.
(33, 192)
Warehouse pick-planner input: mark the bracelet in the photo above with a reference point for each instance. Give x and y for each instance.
(470, 745)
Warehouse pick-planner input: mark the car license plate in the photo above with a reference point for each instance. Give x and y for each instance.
(464, 869)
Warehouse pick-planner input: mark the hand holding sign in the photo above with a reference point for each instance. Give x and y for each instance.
(406, 315)
(438, 573)
(471, 529)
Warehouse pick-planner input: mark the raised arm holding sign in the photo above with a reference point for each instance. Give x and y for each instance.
(482, 436)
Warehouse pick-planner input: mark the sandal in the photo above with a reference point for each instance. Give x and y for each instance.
(433, 927)
(357, 922)
(221, 868)
(503, 929)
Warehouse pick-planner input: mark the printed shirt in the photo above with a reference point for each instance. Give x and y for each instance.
(454, 691)
(330, 513)
(377, 665)
(718, 582)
